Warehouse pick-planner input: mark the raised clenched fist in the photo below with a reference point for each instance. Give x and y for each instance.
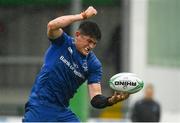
(90, 11)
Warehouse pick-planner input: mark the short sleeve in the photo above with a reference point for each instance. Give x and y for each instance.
(61, 39)
(95, 71)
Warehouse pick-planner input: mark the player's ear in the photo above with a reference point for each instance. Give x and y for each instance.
(77, 33)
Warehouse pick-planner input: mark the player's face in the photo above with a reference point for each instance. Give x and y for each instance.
(149, 93)
(84, 44)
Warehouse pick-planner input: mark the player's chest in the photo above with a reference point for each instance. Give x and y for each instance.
(70, 60)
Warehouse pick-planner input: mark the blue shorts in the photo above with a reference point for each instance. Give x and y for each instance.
(34, 113)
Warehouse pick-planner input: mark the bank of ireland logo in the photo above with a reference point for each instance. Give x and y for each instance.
(85, 67)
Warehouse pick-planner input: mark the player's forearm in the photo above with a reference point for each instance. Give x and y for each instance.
(64, 21)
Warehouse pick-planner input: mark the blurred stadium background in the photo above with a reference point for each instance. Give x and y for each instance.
(140, 36)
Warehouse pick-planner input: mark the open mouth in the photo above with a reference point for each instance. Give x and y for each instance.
(87, 50)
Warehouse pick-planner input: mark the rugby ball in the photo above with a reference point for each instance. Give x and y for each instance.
(126, 82)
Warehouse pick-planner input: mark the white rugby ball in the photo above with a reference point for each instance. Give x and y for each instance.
(126, 82)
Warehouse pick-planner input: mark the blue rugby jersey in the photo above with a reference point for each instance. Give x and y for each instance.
(63, 71)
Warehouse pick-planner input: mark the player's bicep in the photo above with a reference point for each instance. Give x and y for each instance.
(53, 34)
(53, 31)
(94, 89)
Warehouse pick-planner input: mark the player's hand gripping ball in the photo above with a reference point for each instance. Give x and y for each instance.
(126, 82)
